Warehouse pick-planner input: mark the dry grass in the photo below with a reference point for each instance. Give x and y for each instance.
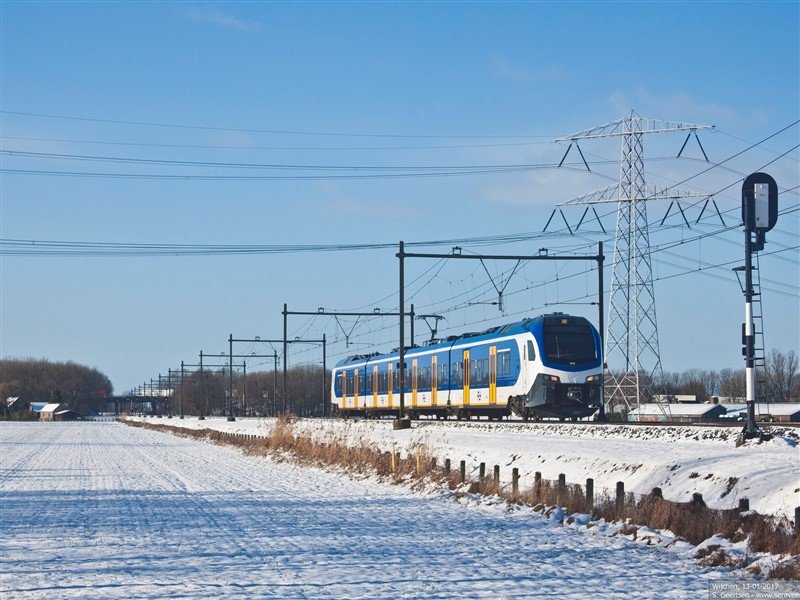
(691, 521)
(788, 569)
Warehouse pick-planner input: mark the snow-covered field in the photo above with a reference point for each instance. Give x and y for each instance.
(102, 510)
(679, 460)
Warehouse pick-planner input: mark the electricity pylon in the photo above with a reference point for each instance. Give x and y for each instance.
(632, 352)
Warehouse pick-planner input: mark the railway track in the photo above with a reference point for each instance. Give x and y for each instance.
(726, 424)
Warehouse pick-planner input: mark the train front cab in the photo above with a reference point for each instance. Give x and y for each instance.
(569, 386)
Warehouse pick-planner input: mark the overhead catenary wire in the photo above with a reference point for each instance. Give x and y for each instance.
(572, 300)
(266, 131)
(254, 147)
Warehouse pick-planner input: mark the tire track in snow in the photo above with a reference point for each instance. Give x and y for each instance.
(124, 512)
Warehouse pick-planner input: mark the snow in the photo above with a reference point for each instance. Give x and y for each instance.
(681, 460)
(673, 409)
(102, 510)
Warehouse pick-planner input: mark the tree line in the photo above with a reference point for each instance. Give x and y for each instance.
(781, 384)
(41, 380)
(257, 394)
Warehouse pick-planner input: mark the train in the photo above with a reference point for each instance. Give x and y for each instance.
(549, 366)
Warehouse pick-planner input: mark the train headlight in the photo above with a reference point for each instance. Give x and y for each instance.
(553, 378)
(592, 378)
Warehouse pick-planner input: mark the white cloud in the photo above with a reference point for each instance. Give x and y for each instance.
(679, 105)
(505, 70)
(339, 202)
(209, 14)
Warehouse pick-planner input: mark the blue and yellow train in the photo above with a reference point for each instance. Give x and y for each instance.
(546, 367)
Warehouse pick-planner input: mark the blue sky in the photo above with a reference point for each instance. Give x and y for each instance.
(402, 85)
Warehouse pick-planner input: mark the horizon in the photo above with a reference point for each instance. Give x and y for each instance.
(376, 123)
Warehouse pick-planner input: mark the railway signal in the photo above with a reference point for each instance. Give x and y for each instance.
(759, 213)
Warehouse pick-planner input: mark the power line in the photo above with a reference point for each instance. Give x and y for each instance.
(268, 131)
(240, 147)
(303, 167)
(190, 177)
(700, 271)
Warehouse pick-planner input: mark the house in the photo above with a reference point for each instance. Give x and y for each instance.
(16, 404)
(48, 411)
(678, 412)
(67, 415)
(689, 398)
(780, 412)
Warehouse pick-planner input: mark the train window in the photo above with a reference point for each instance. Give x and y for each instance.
(504, 366)
(531, 351)
(569, 341)
(486, 375)
(443, 383)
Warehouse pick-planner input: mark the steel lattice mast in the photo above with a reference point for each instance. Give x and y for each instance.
(632, 350)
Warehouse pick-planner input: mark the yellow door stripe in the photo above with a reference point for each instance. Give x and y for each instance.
(492, 375)
(414, 373)
(465, 401)
(375, 386)
(434, 380)
(355, 388)
(391, 385)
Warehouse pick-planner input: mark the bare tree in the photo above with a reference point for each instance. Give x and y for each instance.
(782, 376)
(732, 383)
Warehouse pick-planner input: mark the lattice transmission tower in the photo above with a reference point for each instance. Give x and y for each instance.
(632, 351)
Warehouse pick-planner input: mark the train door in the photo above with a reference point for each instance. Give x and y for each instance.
(434, 379)
(375, 386)
(414, 375)
(344, 389)
(492, 375)
(355, 388)
(465, 370)
(390, 385)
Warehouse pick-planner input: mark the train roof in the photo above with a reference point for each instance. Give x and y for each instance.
(517, 327)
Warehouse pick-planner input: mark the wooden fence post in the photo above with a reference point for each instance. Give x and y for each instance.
(797, 520)
(482, 472)
(620, 496)
(697, 499)
(447, 466)
(433, 464)
(590, 492)
(744, 504)
(537, 485)
(562, 489)
(515, 482)
(656, 493)
(463, 473)
(497, 475)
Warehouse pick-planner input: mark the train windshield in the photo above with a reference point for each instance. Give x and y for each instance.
(569, 341)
